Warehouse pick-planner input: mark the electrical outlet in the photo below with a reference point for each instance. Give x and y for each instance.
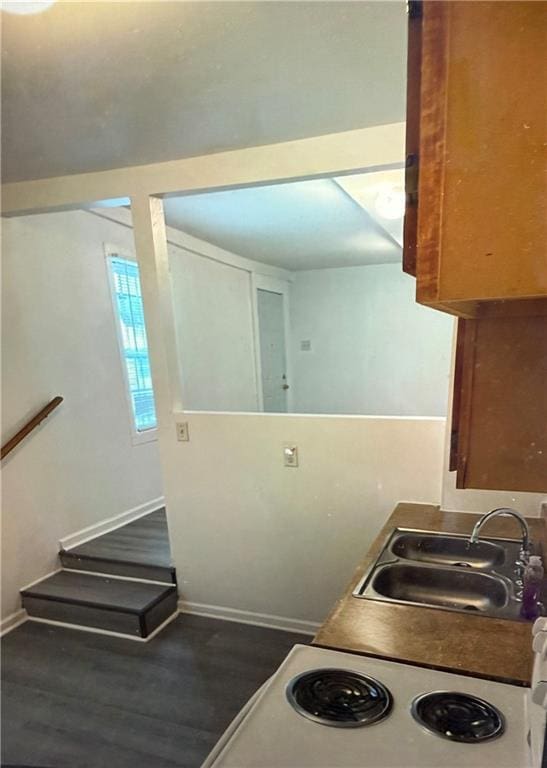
(290, 456)
(182, 431)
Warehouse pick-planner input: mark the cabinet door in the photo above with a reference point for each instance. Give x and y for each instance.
(482, 228)
(499, 427)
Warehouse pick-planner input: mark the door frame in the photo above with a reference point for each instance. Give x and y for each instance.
(261, 282)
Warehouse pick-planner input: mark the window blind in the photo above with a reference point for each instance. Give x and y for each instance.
(127, 291)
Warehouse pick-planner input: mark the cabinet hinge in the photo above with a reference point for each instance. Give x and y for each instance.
(411, 179)
(414, 9)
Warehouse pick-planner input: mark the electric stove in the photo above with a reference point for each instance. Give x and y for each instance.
(328, 709)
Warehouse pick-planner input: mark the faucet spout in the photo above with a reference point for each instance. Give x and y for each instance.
(505, 512)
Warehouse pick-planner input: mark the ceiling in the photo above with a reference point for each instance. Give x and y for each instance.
(301, 225)
(89, 86)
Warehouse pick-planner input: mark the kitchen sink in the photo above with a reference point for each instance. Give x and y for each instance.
(447, 550)
(444, 587)
(446, 571)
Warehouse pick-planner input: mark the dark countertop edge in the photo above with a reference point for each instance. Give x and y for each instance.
(423, 665)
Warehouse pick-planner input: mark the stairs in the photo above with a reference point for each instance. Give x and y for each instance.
(96, 564)
(119, 582)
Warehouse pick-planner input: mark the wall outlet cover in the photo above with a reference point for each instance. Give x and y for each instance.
(290, 456)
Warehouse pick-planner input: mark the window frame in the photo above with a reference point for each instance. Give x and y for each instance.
(112, 252)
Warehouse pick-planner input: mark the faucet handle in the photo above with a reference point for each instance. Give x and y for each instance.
(524, 557)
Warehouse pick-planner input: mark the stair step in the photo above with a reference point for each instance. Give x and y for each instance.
(97, 564)
(139, 549)
(128, 607)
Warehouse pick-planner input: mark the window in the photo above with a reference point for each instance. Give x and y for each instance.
(126, 290)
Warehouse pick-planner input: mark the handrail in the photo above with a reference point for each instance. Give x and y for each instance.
(30, 425)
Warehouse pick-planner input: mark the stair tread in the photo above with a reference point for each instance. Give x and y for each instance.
(140, 562)
(144, 541)
(113, 567)
(99, 591)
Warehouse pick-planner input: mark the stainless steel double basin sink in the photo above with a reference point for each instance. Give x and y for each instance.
(446, 571)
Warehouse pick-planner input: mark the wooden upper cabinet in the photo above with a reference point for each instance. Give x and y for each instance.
(477, 119)
(476, 224)
(499, 407)
(413, 83)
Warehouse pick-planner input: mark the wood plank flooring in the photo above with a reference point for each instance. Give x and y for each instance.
(145, 540)
(122, 594)
(77, 700)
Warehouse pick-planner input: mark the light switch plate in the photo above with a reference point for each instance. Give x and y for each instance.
(182, 431)
(290, 455)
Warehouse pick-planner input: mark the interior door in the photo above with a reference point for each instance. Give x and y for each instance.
(273, 354)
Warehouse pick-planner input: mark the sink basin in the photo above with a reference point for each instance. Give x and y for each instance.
(447, 550)
(444, 570)
(447, 587)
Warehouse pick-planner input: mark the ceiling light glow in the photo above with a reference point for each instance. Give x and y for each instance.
(22, 7)
(390, 202)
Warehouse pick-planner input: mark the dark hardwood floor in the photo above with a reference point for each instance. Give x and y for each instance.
(145, 540)
(82, 700)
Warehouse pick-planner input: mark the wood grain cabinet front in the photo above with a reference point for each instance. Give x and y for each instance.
(476, 225)
(477, 132)
(499, 407)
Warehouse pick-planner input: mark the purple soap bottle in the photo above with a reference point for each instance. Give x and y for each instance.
(531, 593)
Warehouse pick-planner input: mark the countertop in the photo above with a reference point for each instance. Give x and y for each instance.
(497, 649)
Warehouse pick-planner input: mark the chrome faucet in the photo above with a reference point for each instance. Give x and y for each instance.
(505, 511)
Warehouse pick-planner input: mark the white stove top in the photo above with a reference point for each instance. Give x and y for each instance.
(272, 734)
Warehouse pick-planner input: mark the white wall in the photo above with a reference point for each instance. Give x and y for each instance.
(214, 328)
(373, 349)
(249, 534)
(58, 337)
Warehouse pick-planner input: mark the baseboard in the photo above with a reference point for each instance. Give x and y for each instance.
(110, 524)
(248, 617)
(98, 631)
(39, 579)
(12, 621)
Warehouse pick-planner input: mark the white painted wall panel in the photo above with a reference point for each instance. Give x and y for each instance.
(58, 337)
(214, 327)
(373, 349)
(250, 534)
